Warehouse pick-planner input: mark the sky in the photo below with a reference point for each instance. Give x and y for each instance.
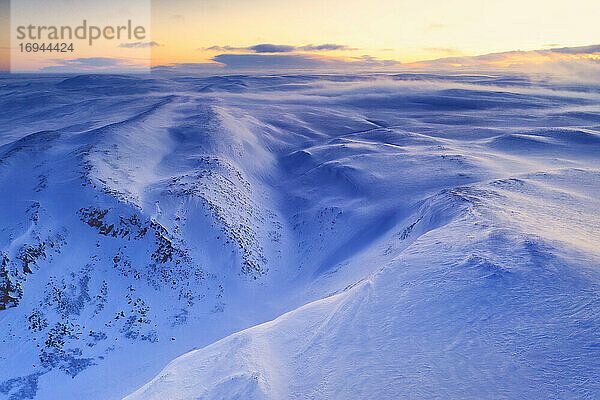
(404, 30)
(369, 34)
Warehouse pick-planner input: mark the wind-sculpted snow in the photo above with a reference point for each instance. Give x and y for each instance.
(407, 235)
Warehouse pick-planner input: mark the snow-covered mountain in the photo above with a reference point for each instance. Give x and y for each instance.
(300, 236)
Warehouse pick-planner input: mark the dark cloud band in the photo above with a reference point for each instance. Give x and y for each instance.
(278, 48)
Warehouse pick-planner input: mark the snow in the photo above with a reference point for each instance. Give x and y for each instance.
(300, 236)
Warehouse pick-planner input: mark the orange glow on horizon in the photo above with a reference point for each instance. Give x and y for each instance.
(389, 33)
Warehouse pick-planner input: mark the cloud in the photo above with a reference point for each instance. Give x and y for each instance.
(260, 61)
(271, 48)
(229, 63)
(326, 47)
(191, 68)
(277, 57)
(593, 49)
(517, 57)
(279, 48)
(95, 64)
(298, 61)
(139, 45)
(216, 48)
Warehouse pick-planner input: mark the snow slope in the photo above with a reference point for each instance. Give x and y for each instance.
(407, 235)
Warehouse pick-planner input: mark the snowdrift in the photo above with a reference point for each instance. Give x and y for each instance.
(305, 236)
